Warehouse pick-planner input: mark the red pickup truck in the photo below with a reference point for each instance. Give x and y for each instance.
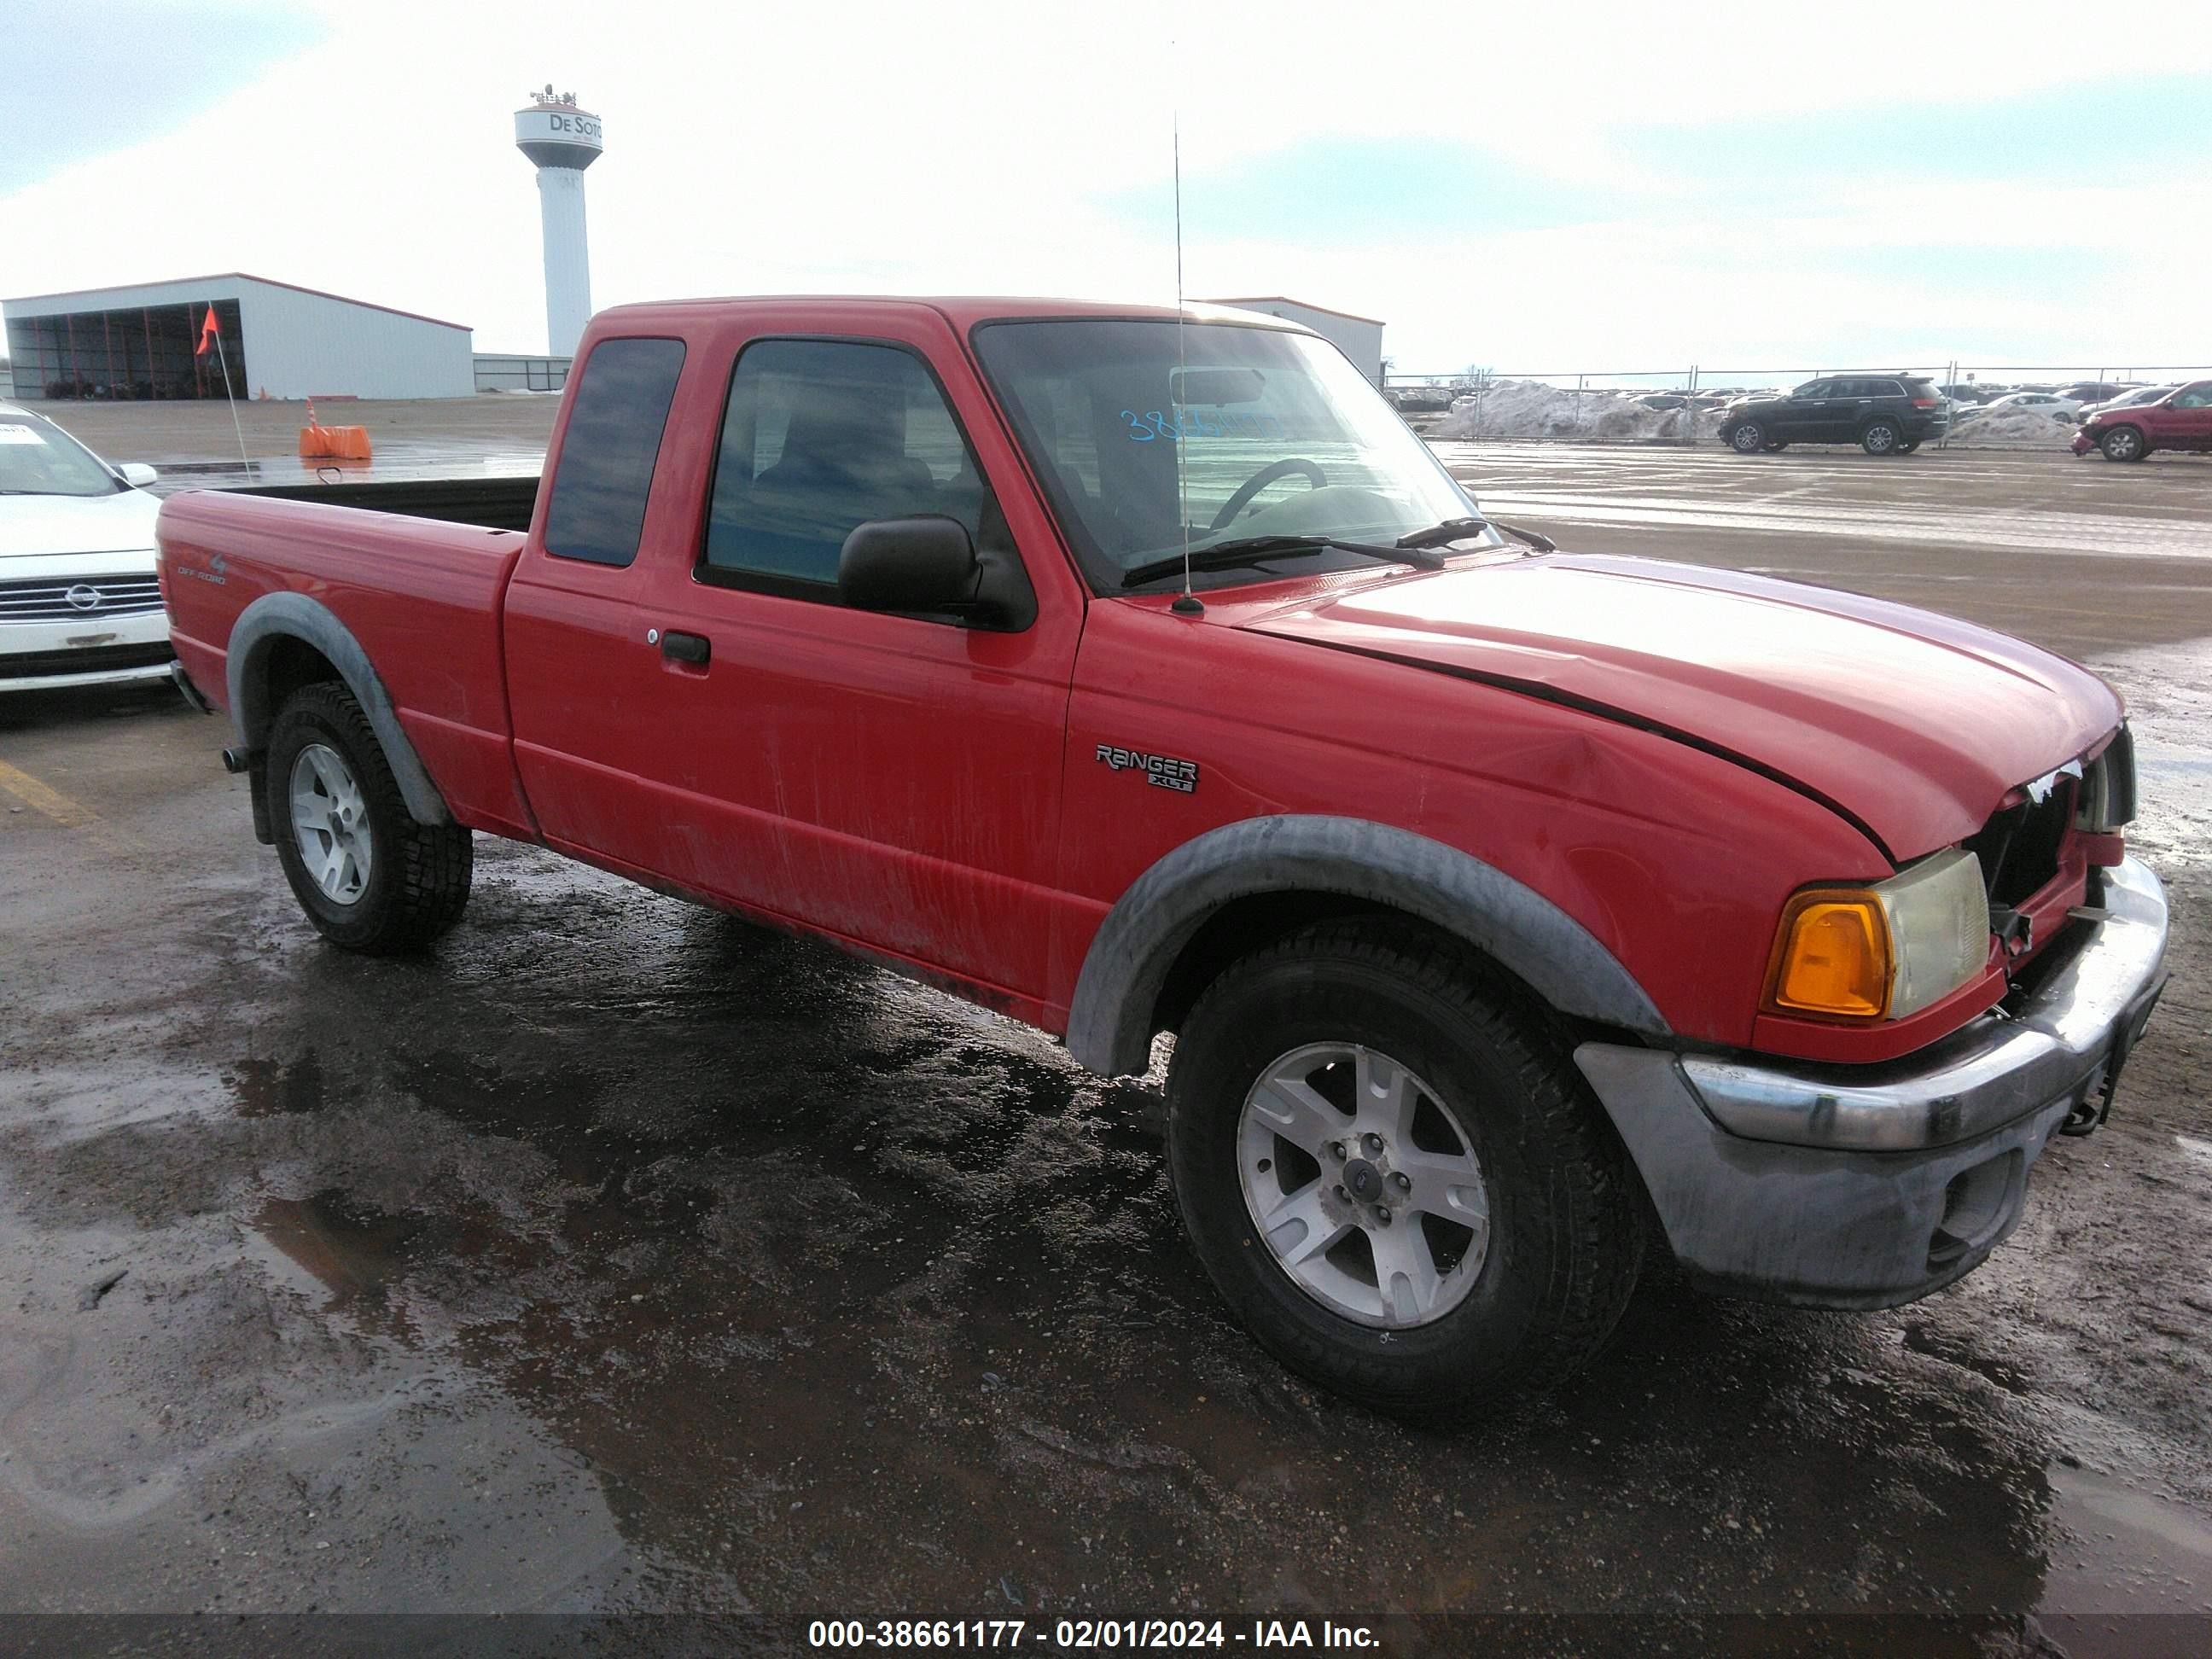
(1134, 671)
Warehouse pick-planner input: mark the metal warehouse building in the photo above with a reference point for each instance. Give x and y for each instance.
(1359, 338)
(276, 338)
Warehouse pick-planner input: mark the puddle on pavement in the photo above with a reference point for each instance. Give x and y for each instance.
(267, 1088)
(349, 1249)
(2116, 1550)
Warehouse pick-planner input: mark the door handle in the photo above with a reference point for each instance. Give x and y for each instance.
(694, 649)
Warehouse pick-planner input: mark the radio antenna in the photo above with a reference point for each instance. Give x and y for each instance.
(1188, 604)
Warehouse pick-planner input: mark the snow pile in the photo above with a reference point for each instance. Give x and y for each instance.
(2031, 427)
(1533, 409)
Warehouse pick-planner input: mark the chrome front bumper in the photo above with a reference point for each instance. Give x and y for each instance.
(1866, 1186)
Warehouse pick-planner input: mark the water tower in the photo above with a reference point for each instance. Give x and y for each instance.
(561, 140)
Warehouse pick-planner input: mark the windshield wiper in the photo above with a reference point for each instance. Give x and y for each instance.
(1452, 530)
(1535, 538)
(1253, 549)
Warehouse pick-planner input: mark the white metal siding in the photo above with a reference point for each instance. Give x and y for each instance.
(1356, 338)
(300, 345)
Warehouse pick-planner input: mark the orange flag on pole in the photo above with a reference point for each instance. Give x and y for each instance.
(207, 334)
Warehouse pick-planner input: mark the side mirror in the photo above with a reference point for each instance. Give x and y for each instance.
(925, 563)
(137, 474)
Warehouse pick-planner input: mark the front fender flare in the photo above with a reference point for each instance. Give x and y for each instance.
(1109, 1027)
(274, 616)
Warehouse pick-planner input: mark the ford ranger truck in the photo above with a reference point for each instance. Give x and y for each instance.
(1137, 672)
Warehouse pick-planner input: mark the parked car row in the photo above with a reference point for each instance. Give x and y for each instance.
(1894, 414)
(1984, 393)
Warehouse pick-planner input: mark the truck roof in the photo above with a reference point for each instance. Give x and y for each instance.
(963, 311)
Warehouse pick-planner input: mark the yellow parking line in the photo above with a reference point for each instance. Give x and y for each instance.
(69, 814)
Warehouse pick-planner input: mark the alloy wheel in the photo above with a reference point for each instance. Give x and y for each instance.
(330, 823)
(1365, 1185)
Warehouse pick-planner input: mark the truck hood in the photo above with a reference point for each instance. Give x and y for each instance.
(39, 527)
(1913, 725)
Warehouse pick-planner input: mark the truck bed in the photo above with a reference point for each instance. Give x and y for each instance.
(489, 503)
(419, 593)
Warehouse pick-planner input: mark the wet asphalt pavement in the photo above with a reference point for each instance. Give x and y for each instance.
(619, 1256)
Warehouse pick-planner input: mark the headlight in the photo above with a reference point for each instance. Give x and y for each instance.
(2106, 800)
(1863, 954)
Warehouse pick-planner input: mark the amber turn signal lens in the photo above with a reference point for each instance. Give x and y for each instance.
(1834, 958)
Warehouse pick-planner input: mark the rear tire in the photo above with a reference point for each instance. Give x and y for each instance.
(1879, 437)
(1512, 1175)
(1748, 438)
(370, 877)
(2124, 443)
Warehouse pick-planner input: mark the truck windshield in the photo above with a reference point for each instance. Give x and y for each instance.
(39, 458)
(1230, 433)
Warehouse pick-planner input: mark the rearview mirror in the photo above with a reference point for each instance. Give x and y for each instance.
(137, 474)
(925, 563)
(1216, 387)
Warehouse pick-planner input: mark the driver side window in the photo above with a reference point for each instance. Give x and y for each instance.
(818, 437)
(2197, 396)
(1812, 389)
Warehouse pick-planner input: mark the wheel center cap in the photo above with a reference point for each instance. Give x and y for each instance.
(1363, 1180)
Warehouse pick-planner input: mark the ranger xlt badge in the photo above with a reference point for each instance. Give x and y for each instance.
(1162, 771)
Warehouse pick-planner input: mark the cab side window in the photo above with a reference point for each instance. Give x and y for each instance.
(819, 436)
(597, 509)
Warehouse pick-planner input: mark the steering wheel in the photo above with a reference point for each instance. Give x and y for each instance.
(1259, 480)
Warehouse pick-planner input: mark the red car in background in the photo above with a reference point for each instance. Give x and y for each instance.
(2181, 420)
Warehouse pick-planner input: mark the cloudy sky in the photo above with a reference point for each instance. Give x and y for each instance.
(1529, 187)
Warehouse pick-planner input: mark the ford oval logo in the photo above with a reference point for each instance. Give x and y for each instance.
(83, 597)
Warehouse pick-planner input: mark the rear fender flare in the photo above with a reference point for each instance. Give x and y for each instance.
(1110, 1020)
(275, 616)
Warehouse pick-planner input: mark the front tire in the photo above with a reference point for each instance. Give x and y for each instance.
(1879, 437)
(1394, 1177)
(2123, 443)
(1748, 438)
(370, 877)
(1907, 447)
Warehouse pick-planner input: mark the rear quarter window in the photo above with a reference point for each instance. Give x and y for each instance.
(596, 512)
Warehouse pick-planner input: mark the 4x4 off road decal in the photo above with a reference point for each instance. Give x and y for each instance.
(1162, 771)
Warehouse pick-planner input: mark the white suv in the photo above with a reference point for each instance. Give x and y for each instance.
(79, 601)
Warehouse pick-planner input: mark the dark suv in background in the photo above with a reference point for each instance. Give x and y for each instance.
(1883, 414)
